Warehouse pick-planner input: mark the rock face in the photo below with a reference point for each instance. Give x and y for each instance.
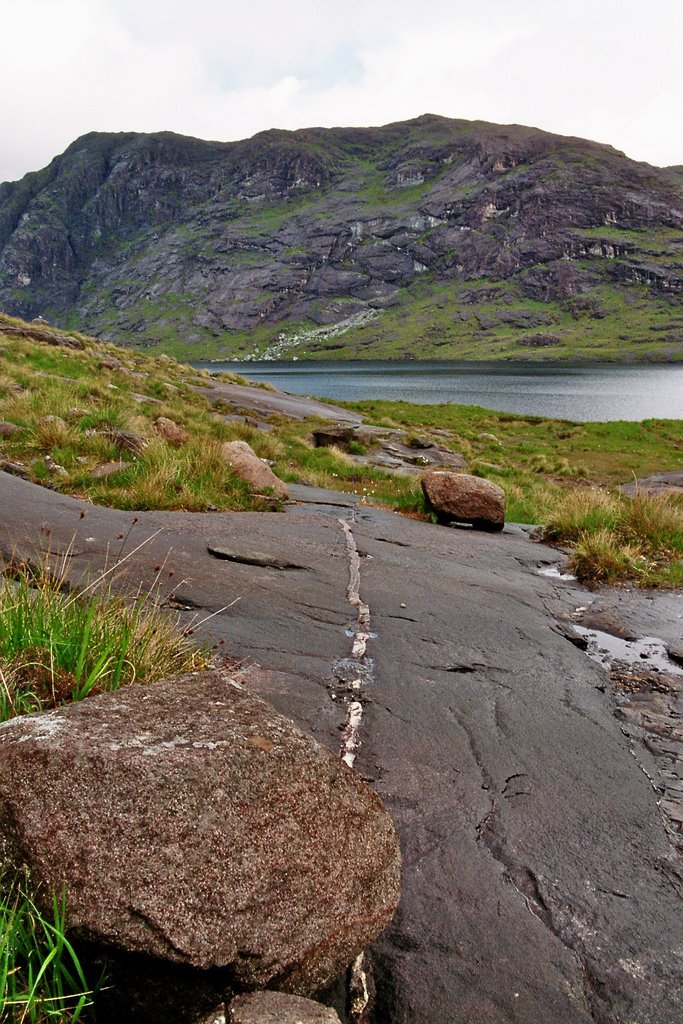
(465, 498)
(331, 228)
(245, 463)
(201, 830)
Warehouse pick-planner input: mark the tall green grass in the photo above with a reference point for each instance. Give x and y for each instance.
(57, 646)
(618, 538)
(41, 978)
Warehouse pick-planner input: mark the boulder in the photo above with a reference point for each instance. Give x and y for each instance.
(245, 463)
(170, 431)
(112, 363)
(126, 440)
(278, 1008)
(465, 498)
(334, 436)
(8, 429)
(52, 421)
(202, 841)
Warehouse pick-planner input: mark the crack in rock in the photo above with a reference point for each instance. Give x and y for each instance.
(360, 665)
(251, 558)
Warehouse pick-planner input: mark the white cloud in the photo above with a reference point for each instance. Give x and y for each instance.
(600, 69)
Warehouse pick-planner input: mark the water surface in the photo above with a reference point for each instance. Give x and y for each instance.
(579, 391)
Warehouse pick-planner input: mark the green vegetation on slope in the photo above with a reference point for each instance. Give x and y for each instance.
(542, 464)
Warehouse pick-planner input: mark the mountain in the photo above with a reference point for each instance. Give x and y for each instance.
(426, 238)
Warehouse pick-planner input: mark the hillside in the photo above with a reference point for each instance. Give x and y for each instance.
(428, 238)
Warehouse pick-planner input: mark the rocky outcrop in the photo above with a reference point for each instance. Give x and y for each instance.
(245, 463)
(150, 236)
(392, 450)
(205, 845)
(465, 498)
(539, 883)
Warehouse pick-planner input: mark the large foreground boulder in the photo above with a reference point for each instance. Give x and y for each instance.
(245, 463)
(205, 843)
(465, 498)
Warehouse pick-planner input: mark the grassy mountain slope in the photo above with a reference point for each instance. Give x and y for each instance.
(426, 238)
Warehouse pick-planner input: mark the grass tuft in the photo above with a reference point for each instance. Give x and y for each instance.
(57, 646)
(41, 978)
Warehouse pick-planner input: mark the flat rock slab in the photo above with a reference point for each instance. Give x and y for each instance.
(658, 483)
(272, 402)
(539, 881)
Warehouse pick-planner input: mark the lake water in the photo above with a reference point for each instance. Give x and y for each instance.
(576, 392)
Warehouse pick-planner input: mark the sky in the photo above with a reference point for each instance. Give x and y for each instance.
(608, 70)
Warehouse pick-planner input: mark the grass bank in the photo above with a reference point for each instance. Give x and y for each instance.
(63, 409)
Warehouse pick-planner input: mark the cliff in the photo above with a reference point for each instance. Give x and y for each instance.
(431, 237)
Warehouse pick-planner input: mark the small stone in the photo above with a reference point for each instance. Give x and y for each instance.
(126, 440)
(144, 399)
(52, 421)
(278, 1008)
(108, 469)
(170, 431)
(8, 429)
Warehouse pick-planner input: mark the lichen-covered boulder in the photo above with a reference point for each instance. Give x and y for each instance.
(189, 822)
(465, 498)
(245, 463)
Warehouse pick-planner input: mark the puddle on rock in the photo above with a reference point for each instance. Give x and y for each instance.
(646, 652)
(555, 572)
(648, 687)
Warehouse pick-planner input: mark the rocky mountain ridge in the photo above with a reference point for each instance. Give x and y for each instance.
(431, 237)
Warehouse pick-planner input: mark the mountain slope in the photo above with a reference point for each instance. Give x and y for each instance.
(430, 237)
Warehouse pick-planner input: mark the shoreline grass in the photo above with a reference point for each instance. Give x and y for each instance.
(62, 404)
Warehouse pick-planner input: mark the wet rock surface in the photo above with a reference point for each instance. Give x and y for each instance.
(540, 882)
(658, 483)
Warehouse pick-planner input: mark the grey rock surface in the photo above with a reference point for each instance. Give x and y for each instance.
(264, 402)
(539, 881)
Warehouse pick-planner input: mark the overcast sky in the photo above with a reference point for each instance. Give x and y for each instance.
(608, 70)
